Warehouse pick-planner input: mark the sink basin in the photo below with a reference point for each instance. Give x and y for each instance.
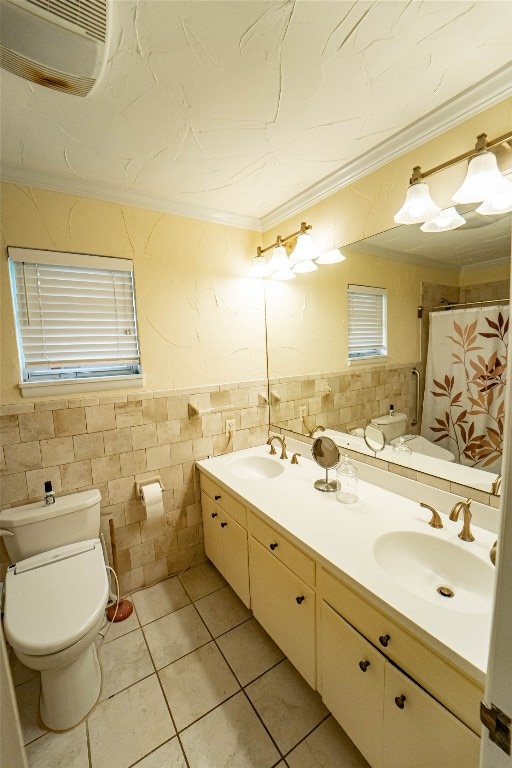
(256, 467)
(436, 570)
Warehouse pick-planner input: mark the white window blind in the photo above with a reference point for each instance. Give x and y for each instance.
(75, 315)
(366, 321)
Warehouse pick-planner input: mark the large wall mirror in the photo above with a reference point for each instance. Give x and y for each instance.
(313, 386)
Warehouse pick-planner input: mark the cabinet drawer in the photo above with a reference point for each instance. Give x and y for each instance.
(449, 686)
(298, 562)
(225, 501)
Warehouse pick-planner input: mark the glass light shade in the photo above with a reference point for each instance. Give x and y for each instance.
(304, 266)
(303, 251)
(259, 267)
(482, 181)
(331, 257)
(418, 206)
(284, 274)
(500, 202)
(279, 259)
(446, 220)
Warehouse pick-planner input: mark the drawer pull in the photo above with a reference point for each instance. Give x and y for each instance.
(300, 599)
(217, 497)
(400, 701)
(274, 546)
(223, 525)
(214, 514)
(384, 640)
(363, 665)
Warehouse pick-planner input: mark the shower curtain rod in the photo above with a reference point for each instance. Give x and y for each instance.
(450, 305)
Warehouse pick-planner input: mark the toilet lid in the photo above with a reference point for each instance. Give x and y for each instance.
(53, 599)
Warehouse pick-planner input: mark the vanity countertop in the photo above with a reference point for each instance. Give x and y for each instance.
(342, 537)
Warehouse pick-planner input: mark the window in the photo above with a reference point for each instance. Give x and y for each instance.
(75, 319)
(367, 336)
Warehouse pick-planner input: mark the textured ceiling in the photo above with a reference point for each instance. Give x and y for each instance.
(238, 107)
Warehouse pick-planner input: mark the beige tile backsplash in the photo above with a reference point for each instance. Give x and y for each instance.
(113, 441)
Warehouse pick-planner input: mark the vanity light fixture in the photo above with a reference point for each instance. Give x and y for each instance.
(331, 257)
(447, 219)
(484, 183)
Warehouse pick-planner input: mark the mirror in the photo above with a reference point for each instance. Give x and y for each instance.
(310, 381)
(327, 455)
(374, 438)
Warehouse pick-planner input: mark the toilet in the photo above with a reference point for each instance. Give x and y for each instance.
(56, 592)
(395, 426)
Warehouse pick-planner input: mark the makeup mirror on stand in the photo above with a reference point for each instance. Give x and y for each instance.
(327, 455)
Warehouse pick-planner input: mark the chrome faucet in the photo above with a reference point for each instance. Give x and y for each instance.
(318, 428)
(435, 521)
(463, 506)
(281, 440)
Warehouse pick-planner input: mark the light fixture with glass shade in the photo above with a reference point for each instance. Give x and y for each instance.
(499, 202)
(279, 259)
(259, 267)
(284, 274)
(306, 265)
(303, 250)
(447, 219)
(331, 257)
(418, 206)
(483, 177)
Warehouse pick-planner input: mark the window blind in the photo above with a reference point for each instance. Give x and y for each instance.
(366, 321)
(75, 319)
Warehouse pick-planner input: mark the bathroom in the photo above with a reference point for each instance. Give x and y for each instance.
(209, 335)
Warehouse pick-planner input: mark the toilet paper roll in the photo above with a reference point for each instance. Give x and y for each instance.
(152, 500)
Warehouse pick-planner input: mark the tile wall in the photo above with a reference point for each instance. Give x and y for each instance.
(110, 442)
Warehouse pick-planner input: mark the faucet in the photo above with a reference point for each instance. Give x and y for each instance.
(281, 440)
(435, 521)
(496, 486)
(318, 428)
(493, 553)
(463, 506)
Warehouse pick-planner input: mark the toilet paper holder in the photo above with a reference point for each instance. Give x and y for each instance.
(140, 485)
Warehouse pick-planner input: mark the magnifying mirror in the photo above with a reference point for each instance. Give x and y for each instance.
(374, 438)
(327, 455)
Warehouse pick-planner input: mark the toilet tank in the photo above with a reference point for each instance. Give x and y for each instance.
(392, 426)
(36, 528)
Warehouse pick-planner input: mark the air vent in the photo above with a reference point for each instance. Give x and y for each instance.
(79, 86)
(89, 15)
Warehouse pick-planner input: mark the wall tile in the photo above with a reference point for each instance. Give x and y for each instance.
(37, 478)
(134, 511)
(168, 431)
(76, 475)
(128, 536)
(69, 421)
(10, 435)
(88, 446)
(105, 468)
(121, 490)
(118, 440)
(133, 463)
(100, 418)
(142, 554)
(157, 457)
(21, 457)
(128, 414)
(60, 450)
(181, 452)
(36, 426)
(154, 528)
(50, 405)
(177, 408)
(155, 571)
(144, 437)
(13, 488)
(154, 410)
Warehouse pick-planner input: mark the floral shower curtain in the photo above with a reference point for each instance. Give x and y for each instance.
(463, 404)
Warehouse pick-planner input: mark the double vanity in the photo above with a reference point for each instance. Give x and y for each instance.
(388, 618)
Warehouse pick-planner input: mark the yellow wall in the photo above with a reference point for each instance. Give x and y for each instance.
(200, 318)
(307, 317)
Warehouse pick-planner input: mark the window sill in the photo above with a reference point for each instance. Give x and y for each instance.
(74, 386)
(370, 360)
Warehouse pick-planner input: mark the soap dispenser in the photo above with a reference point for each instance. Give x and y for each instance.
(49, 496)
(346, 475)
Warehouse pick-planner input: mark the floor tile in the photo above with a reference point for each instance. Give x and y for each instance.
(222, 610)
(60, 750)
(327, 747)
(197, 683)
(27, 697)
(249, 650)
(123, 662)
(169, 755)
(175, 635)
(20, 673)
(128, 726)
(202, 580)
(157, 601)
(229, 737)
(286, 704)
(119, 628)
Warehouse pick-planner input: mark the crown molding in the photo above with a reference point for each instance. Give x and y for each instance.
(505, 262)
(85, 188)
(465, 105)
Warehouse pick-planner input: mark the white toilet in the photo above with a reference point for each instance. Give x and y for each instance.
(395, 426)
(55, 597)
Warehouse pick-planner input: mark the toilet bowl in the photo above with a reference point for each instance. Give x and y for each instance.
(394, 426)
(54, 608)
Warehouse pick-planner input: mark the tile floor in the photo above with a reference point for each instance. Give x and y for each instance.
(191, 680)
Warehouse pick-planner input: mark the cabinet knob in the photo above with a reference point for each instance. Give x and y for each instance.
(384, 640)
(400, 701)
(363, 665)
(214, 514)
(300, 599)
(217, 497)
(274, 546)
(223, 525)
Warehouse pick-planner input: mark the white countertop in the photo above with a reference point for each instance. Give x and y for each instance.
(341, 537)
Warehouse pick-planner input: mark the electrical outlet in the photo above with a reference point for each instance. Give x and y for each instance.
(230, 426)
(303, 411)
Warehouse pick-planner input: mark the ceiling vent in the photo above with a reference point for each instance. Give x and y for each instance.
(60, 44)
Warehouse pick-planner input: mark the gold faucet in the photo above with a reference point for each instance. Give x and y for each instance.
(496, 486)
(493, 553)
(463, 506)
(295, 458)
(283, 455)
(435, 521)
(318, 428)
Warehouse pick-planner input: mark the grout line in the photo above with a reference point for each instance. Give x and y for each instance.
(326, 717)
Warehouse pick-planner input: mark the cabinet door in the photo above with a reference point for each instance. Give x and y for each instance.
(419, 732)
(285, 606)
(212, 531)
(235, 557)
(351, 678)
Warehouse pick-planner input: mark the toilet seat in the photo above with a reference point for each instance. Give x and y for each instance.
(53, 599)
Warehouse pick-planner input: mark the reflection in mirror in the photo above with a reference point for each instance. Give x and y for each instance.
(327, 455)
(374, 438)
(307, 347)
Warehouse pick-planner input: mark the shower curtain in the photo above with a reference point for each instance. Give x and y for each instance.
(464, 400)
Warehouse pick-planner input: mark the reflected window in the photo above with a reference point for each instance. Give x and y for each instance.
(367, 322)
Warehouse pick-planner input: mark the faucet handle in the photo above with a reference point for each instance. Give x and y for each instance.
(272, 449)
(435, 521)
(295, 458)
